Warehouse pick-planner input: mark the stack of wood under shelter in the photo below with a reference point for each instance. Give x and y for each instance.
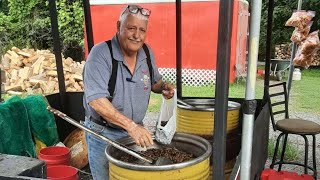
(34, 72)
(283, 51)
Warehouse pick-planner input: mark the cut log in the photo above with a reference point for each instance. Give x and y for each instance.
(52, 73)
(25, 54)
(37, 65)
(14, 74)
(14, 92)
(13, 88)
(77, 77)
(24, 73)
(6, 61)
(77, 87)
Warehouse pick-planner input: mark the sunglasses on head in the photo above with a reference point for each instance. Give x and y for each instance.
(135, 9)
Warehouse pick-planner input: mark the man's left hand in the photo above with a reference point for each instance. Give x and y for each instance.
(168, 91)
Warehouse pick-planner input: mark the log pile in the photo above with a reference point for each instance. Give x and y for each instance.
(35, 72)
(316, 59)
(283, 51)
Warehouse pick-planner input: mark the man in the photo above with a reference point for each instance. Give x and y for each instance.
(119, 112)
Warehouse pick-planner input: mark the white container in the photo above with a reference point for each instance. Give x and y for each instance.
(296, 75)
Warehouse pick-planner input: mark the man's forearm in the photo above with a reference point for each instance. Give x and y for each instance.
(107, 111)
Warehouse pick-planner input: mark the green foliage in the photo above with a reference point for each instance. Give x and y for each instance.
(5, 27)
(4, 6)
(303, 94)
(70, 18)
(27, 24)
(70, 15)
(282, 12)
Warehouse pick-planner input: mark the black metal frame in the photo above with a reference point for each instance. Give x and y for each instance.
(285, 111)
(57, 51)
(222, 87)
(268, 48)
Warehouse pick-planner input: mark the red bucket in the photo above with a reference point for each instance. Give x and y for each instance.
(62, 172)
(55, 155)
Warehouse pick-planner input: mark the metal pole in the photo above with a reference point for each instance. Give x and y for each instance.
(87, 18)
(293, 52)
(2, 80)
(250, 103)
(268, 49)
(178, 49)
(222, 87)
(57, 50)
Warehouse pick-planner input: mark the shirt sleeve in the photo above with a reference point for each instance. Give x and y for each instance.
(156, 75)
(97, 72)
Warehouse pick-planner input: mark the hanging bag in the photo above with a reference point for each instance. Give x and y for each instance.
(165, 133)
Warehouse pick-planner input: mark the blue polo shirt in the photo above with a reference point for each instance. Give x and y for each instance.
(132, 92)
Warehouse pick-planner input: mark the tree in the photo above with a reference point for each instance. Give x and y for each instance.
(28, 26)
(282, 12)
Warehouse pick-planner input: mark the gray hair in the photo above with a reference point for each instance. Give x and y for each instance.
(125, 12)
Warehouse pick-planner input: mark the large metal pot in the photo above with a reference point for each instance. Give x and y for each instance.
(197, 168)
(199, 119)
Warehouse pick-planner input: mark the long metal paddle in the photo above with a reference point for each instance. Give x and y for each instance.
(113, 143)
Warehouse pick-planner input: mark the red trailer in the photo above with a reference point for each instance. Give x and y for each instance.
(199, 35)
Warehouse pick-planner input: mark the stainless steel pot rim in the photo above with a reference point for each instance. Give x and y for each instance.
(178, 136)
(206, 105)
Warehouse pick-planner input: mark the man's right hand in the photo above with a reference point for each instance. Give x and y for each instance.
(141, 136)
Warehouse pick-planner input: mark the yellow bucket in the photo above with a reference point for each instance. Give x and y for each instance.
(200, 118)
(195, 169)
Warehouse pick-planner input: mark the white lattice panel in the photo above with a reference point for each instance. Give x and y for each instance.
(190, 77)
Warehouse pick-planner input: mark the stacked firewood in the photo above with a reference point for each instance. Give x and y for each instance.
(283, 51)
(316, 59)
(35, 72)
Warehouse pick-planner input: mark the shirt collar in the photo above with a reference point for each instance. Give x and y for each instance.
(117, 54)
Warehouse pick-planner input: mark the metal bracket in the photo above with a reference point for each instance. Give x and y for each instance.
(2, 81)
(2, 89)
(249, 106)
(3, 76)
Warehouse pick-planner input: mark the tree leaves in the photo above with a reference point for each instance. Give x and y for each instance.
(282, 12)
(26, 23)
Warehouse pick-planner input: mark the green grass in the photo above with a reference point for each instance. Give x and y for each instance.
(292, 152)
(305, 94)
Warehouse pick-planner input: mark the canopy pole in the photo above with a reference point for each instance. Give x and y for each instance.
(178, 49)
(88, 23)
(293, 53)
(250, 102)
(57, 51)
(222, 87)
(268, 49)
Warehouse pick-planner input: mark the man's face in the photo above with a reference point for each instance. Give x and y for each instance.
(132, 33)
